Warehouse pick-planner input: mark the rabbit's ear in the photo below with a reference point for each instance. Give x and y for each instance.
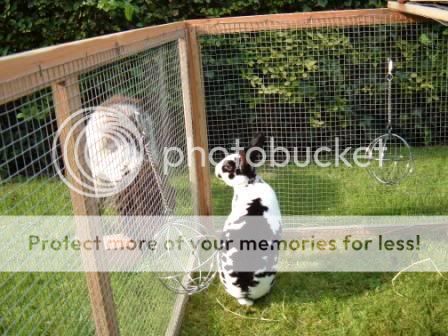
(244, 166)
(119, 100)
(258, 140)
(130, 107)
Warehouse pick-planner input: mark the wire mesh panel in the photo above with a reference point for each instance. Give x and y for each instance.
(319, 85)
(36, 303)
(144, 80)
(152, 79)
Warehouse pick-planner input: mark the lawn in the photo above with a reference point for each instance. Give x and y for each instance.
(328, 304)
(352, 191)
(300, 303)
(58, 303)
(338, 303)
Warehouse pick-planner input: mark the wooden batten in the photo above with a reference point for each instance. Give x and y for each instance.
(67, 100)
(198, 124)
(175, 323)
(21, 74)
(25, 63)
(24, 73)
(422, 10)
(300, 20)
(188, 119)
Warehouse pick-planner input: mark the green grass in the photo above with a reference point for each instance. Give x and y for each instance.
(352, 191)
(306, 303)
(35, 197)
(58, 303)
(44, 304)
(328, 304)
(338, 303)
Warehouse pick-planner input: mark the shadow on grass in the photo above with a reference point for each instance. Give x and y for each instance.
(303, 288)
(310, 194)
(299, 302)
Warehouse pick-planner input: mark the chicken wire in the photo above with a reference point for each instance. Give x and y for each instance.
(307, 84)
(36, 303)
(302, 85)
(153, 77)
(58, 303)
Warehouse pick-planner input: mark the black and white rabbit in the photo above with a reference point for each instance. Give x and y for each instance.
(247, 273)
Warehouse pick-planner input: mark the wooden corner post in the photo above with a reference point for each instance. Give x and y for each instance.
(196, 132)
(195, 120)
(67, 100)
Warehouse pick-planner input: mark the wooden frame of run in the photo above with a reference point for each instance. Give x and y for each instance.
(59, 67)
(19, 65)
(421, 8)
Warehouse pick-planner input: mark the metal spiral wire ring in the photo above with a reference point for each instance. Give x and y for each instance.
(189, 271)
(390, 159)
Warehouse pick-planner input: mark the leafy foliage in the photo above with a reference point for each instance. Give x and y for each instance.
(266, 72)
(27, 136)
(334, 78)
(30, 24)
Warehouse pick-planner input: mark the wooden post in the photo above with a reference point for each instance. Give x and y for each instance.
(188, 118)
(67, 100)
(420, 9)
(196, 132)
(195, 117)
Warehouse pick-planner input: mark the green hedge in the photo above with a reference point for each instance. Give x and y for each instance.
(31, 24)
(260, 76)
(330, 81)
